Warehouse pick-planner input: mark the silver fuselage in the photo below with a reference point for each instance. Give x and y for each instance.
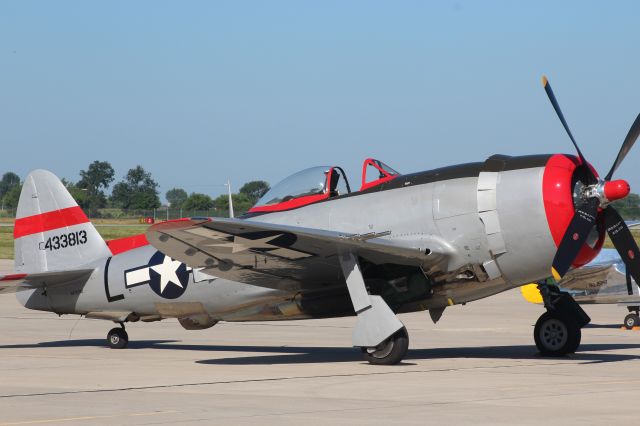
(491, 224)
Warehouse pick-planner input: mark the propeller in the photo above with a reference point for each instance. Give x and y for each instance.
(634, 131)
(623, 241)
(574, 237)
(556, 106)
(596, 197)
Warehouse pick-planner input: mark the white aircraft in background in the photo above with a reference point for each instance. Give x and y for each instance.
(602, 281)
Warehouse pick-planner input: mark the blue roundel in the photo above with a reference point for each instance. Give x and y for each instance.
(168, 278)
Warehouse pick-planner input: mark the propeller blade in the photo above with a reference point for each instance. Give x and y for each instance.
(623, 241)
(574, 237)
(556, 106)
(633, 134)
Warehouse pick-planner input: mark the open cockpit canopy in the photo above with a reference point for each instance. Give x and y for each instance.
(375, 172)
(319, 183)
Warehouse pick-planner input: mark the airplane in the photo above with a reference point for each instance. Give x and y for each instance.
(604, 280)
(313, 248)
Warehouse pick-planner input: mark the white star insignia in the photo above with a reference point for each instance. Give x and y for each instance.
(167, 271)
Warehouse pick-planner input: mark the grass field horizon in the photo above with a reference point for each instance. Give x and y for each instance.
(108, 229)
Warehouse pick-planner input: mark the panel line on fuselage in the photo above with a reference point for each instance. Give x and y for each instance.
(106, 284)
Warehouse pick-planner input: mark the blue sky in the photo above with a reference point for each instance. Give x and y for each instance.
(198, 92)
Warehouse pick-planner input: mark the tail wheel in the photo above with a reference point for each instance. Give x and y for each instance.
(389, 352)
(117, 338)
(556, 334)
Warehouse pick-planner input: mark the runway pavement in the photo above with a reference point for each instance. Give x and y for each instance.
(478, 365)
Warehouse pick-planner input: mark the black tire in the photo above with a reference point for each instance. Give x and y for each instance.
(574, 348)
(117, 338)
(389, 352)
(556, 334)
(631, 320)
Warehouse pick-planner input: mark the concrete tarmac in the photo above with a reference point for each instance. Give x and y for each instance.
(478, 365)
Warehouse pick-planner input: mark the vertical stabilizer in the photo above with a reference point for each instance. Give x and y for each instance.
(51, 231)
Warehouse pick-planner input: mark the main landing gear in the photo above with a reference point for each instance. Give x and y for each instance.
(379, 334)
(389, 352)
(633, 318)
(557, 331)
(117, 338)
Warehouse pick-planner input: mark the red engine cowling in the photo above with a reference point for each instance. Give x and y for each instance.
(557, 192)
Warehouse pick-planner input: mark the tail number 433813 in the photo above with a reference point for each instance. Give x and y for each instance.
(70, 239)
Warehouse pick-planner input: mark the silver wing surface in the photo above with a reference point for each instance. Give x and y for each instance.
(281, 256)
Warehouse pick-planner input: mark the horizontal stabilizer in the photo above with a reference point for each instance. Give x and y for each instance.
(15, 282)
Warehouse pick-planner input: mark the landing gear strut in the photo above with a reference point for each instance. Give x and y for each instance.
(381, 336)
(117, 338)
(557, 331)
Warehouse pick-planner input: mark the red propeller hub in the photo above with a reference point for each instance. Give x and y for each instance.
(616, 189)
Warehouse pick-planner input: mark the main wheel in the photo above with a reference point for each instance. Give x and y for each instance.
(389, 352)
(574, 348)
(556, 334)
(631, 320)
(117, 338)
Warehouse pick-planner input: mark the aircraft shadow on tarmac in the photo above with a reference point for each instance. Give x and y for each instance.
(588, 353)
(613, 326)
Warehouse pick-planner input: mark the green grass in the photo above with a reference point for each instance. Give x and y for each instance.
(6, 242)
(113, 232)
(107, 232)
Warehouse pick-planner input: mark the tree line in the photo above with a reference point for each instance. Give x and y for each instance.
(136, 191)
(246, 197)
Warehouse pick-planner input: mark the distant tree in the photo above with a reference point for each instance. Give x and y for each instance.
(241, 203)
(198, 202)
(8, 181)
(95, 180)
(629, 207)
(11, 198)
(176, 197)
(78, 194)
(254, 190)
(97, 177)
(137, 190)
(120, 195)
(143, 201)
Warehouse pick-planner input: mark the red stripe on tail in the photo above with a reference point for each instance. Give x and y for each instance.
(49, 221)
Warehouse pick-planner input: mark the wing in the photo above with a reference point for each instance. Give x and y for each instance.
(15, 282)
(281, 256)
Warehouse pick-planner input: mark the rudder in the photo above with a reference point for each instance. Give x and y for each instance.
(51, 231)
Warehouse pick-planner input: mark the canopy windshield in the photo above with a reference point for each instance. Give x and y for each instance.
(304, 183)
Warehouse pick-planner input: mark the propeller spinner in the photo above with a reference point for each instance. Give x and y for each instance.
(593, 200)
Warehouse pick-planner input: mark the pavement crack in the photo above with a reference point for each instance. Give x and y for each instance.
(269, 379)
